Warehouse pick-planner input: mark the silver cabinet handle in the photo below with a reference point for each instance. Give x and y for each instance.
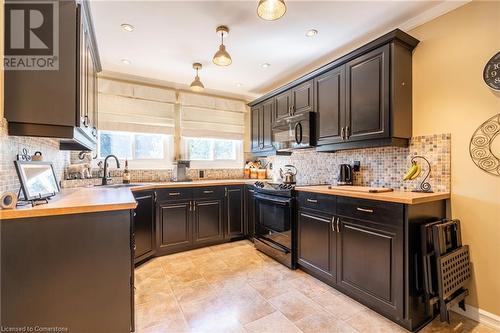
(347, 132)
(172, 194)
(194, 206)
(208, 192)
(333, 224)
(338, 224)
(366, 210)
(312, 200)
(342, 133)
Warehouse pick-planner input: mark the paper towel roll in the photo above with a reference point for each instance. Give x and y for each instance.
(8, 200)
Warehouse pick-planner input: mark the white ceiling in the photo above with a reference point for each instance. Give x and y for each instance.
(170, 35)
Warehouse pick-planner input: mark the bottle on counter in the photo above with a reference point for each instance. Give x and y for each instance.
(126, 174)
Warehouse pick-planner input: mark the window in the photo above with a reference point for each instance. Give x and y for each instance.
(205, 152)
(141, 149)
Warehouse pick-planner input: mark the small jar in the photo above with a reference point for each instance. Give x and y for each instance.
(253, 173)
(261, 173)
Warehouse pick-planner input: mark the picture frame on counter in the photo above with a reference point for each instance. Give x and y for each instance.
(38, 181)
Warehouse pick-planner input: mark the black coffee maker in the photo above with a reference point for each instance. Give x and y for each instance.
(345, 175)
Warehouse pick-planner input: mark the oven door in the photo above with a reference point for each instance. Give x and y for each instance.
(294, 132)
(273, 227)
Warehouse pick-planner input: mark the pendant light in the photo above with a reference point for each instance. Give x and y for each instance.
(271, 10)
(222, 57)
(196, 85)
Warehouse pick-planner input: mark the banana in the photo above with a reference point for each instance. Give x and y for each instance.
(417, 173)
(411, 171)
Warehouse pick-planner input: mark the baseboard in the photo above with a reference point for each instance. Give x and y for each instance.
(484, 317)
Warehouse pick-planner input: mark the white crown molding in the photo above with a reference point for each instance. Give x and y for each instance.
(484, 317)
(432, 13)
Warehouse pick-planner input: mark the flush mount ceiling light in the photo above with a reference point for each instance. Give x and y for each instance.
(127, 27)
(196, 85)
(311, 32)
(222, 57)
(126, 61)
(271, 10)
(265, 65)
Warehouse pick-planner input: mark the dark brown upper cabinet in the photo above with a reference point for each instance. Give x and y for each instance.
(60, 103)
(261, 127)
(367, 96)
(329, 94)
(362, 99)
(283, 106)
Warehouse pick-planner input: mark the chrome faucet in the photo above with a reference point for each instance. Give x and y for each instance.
(106, 178)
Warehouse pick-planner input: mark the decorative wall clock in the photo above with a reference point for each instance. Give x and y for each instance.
(481, 146)
(491, 72)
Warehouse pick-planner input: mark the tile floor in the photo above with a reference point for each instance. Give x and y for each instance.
(234, 288)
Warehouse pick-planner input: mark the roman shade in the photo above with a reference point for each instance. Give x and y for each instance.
(211, 117)
(133, 107)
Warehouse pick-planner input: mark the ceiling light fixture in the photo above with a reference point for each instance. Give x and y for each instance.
(265, 65)
(127, 27)
(271, 10)
(126, 61)
(311, 32)
(239, 84)
(222, 57)
(196, 85)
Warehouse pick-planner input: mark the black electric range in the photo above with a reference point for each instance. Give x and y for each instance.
(275, 225)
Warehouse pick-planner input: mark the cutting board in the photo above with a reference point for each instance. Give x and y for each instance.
(364, 189)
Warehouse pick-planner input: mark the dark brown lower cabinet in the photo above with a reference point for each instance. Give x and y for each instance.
(249, 211)
(318, 241)
(370, 264)
(144, 226)
(173, 227)
(234, 218)
(208, 221)
(369, 250)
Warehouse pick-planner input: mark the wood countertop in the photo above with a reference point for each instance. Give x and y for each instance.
(99, 198)
(409, 198)
(76, 201)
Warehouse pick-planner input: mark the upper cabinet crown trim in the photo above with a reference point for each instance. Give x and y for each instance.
(396, 35)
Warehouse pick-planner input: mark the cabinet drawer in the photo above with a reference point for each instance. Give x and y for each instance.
(371, 210)
(174, 194)
(208, 192)
(320, 202)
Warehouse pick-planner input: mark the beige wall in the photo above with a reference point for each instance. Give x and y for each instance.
(450, 97)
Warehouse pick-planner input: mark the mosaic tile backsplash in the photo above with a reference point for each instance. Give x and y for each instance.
(10, 146)
(380, 167)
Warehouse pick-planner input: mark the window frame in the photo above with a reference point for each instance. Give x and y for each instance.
(143, 163)
(236, 163)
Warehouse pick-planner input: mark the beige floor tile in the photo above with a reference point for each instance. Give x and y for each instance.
(323, 323)
(160, 312)
(295, 305)
(193, 290)
(368, 321)
(276, 322)
(310, 286)
(269, 290)
(340, 306)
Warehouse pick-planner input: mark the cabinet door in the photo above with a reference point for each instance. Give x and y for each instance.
(329, 92)
(370, 264)
(283, 104)
(302, 98)
(267, 123)
(317, 244)
(249, 212)
(234, 212)
(174, 227)
(255, 143)
(208, 221)
(367, 95)
(144, 226)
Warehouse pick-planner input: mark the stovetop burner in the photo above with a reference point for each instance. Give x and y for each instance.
(281, 189)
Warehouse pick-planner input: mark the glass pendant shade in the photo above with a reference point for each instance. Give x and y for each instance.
(196, 85)
(222, 57)
(271, 10)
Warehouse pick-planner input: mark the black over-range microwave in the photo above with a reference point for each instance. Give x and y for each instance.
(295, 132)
